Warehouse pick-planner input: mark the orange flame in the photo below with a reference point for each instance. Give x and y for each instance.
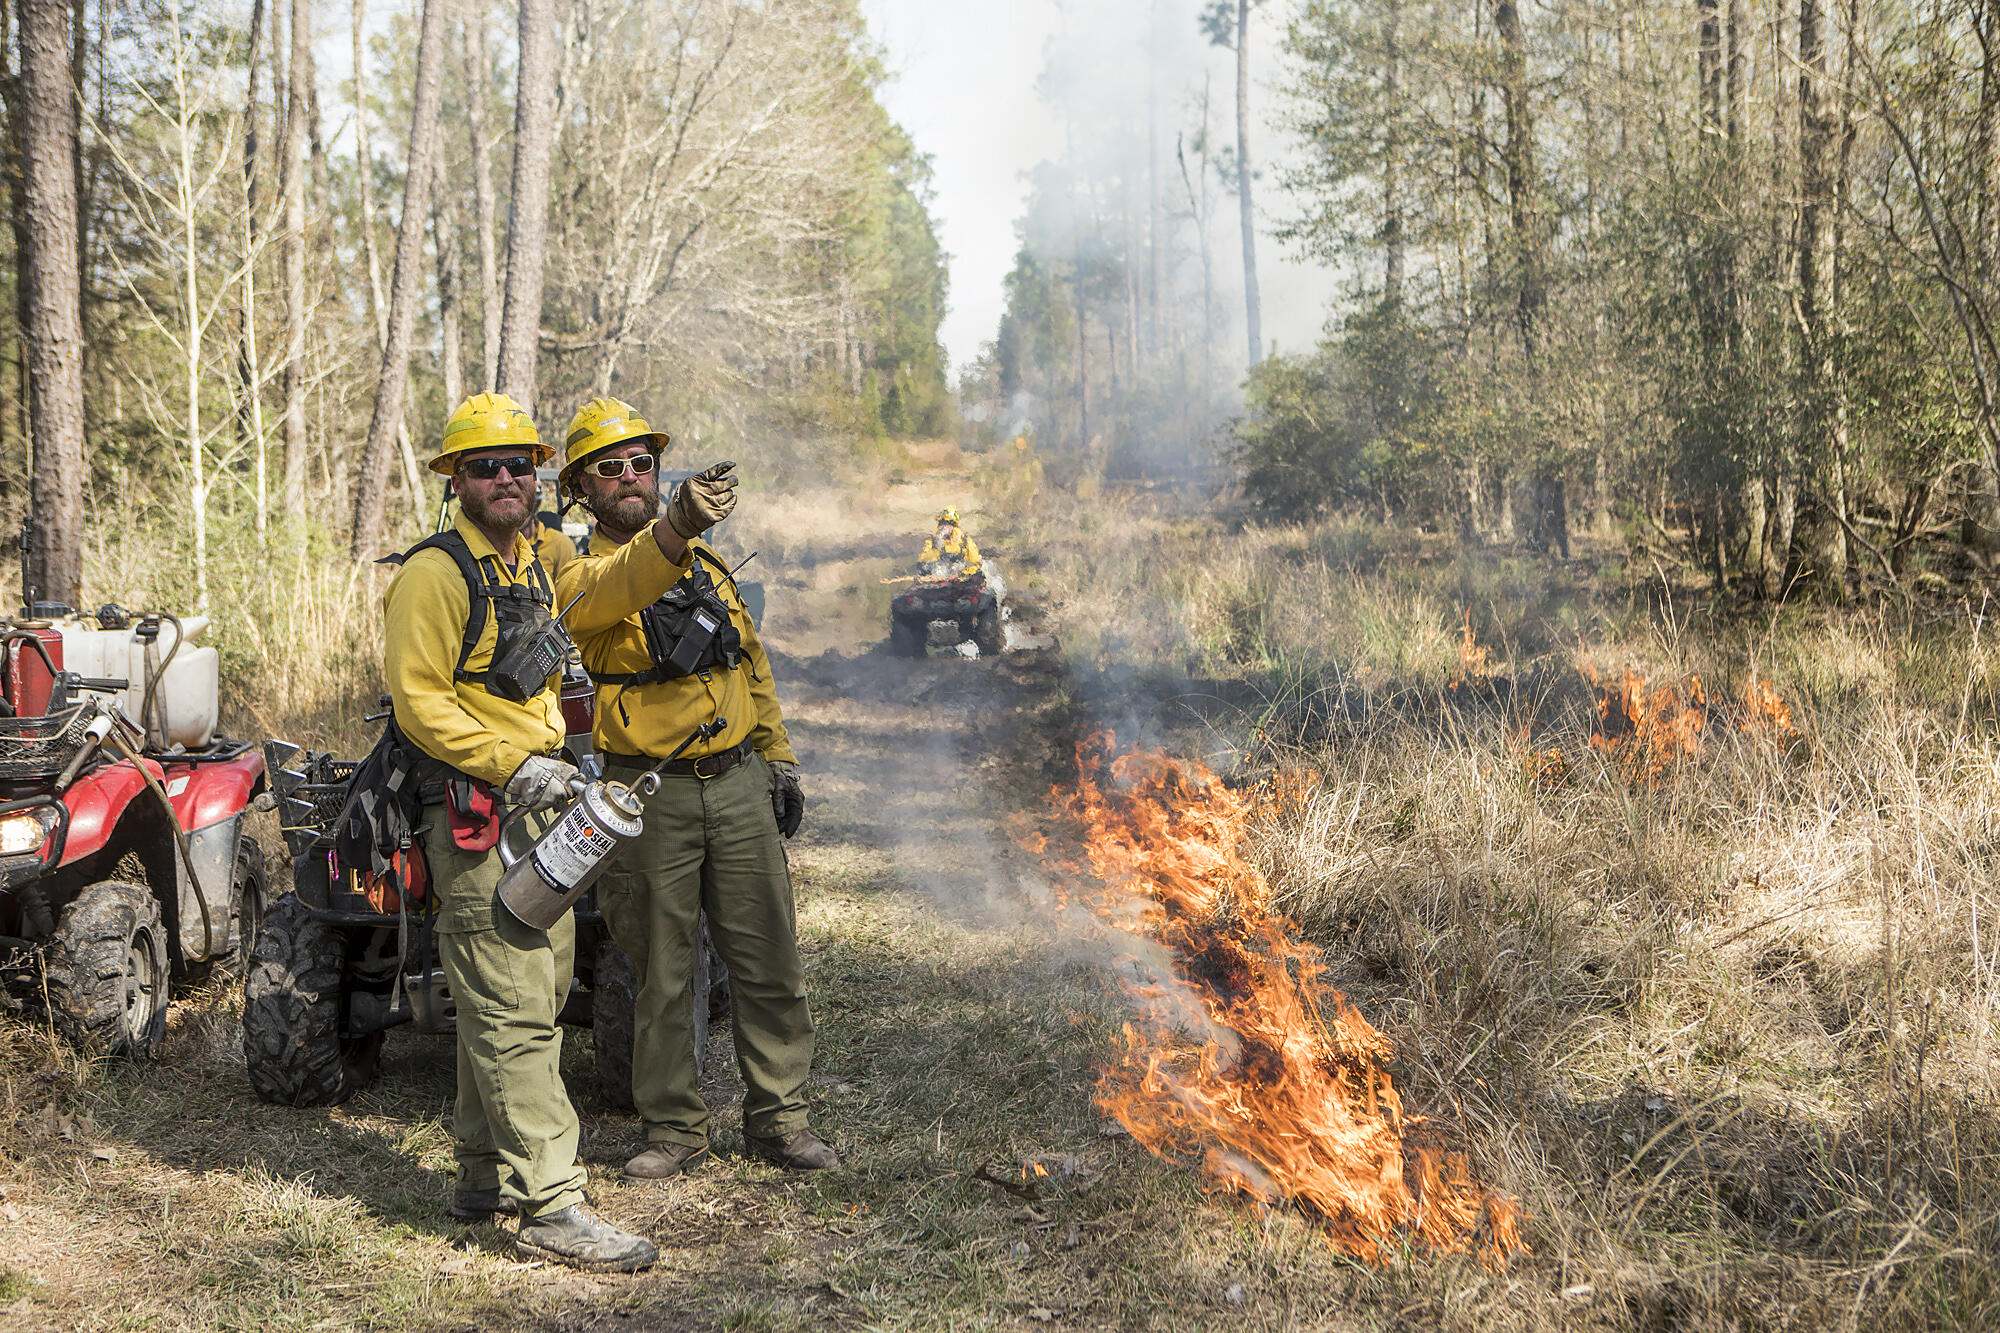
(1764, 711)
(1286, 1096)
(1475, 659)
(1649, 728)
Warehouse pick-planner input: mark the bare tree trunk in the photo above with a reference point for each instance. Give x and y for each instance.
(528, 210)
(364, 164)
(17, 202)
(1198, 210)
(47, 123)
(249, 389)
(1253, 310)
(298, 103)
(1818, 427)
(1082, 328)
(79, 65)
(1550, 521)
(1156, 225)
(393, 380)
(444, 236)
(1981, 529)
(477, 66)
(1392, 149)
(364, 171)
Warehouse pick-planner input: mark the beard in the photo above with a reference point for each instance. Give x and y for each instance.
(496, 510)
(626, 510)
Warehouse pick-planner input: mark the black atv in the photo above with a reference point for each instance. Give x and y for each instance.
(966, 602)
(346, 956)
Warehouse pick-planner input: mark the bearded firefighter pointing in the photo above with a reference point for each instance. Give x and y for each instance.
(671, 649)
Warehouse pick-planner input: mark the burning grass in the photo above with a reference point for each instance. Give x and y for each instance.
(1697, 954)
(1280, 1090)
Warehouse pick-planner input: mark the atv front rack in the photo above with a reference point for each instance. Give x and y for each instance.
(312, 789)
(39, 749)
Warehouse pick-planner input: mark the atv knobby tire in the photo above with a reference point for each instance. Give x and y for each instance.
(988, 635)
(614, 1010)
(249, 894)
(107, 971)
(614, 1001)
(292, 1044)
(908, 638)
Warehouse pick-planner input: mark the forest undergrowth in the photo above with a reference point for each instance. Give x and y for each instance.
(1678, 911)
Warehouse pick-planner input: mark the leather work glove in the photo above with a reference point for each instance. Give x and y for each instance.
(702, 501)
(788, 796)
(540, 783)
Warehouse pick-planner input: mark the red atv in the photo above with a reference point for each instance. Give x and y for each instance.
(967, 603)
(124, 864)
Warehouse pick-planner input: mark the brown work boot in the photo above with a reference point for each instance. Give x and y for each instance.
(664, 1160)
(801, 1150)
(581, 1239)
(480, 1205)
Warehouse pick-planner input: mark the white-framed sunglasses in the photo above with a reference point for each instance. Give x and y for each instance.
(611, 469)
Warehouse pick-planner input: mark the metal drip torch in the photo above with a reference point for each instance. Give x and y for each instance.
(538, 886)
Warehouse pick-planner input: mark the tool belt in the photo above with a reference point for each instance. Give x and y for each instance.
(707, 766)
(385, 800)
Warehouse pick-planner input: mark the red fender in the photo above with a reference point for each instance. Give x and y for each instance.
(204, 794)
(201, 795)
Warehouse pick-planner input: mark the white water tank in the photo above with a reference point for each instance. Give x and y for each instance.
(186, 697)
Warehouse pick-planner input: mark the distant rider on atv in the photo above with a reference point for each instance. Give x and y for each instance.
(949, 552)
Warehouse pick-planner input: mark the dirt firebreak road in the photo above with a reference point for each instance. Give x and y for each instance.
(960, 1032)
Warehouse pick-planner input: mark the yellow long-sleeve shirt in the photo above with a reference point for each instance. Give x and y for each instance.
(553, 548)
(617, 582)
(458, 722)
(958, 546)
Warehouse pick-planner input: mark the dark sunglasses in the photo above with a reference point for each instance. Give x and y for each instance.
(486, 469)
(613, 468)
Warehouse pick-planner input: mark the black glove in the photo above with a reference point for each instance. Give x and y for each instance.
(788, 796)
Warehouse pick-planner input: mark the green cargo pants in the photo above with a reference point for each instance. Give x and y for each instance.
(711, 845)
(515, 1128)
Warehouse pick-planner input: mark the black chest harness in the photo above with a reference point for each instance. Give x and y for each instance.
(688, 631)
(388, 792)
(528, 645)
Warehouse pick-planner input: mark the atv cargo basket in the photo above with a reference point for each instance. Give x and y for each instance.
(36, 749)
(309, 810)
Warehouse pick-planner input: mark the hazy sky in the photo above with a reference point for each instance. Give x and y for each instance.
(962, 82)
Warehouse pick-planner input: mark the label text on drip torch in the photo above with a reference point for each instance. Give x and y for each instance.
(570, 850)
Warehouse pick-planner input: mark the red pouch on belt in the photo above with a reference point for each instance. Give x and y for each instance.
(474, 812)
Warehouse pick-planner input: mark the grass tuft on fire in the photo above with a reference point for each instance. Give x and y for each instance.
(1677, 912)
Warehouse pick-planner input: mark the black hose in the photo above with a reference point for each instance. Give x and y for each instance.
(153, 677)
(179, 840)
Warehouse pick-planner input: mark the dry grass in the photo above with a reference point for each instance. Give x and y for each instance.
(297, 624)
(1729, 1033)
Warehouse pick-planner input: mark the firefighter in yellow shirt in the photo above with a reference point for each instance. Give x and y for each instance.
(949, 551)
(473, 675)
(552, 545)
(666, 638)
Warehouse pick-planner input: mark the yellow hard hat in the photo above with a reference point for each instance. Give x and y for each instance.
(948, 514)
(487, 421)
(601, 424)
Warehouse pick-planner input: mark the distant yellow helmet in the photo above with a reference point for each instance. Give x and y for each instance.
(948, 514)
(487, 421)
(601, 424)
